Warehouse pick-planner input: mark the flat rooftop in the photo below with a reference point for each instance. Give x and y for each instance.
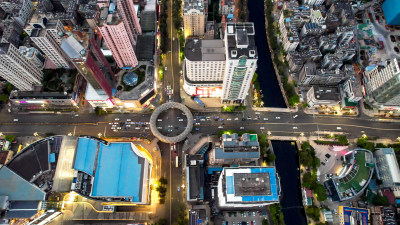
(118, 168)
(253, 184)
(204, 50)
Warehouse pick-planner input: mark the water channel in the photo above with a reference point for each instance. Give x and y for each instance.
(266, 73)
(287, 165)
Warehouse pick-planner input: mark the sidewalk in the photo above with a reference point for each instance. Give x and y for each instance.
(354, 112)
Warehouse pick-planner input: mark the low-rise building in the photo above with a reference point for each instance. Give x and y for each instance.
(311, 29)
(323, 96)
(310, 75)
(387, 169)
(351, 215)
(248, 187)
(195, 178)
(5, 156)
(328, 42)
(351, 91)
(235, 149)
(32, 100)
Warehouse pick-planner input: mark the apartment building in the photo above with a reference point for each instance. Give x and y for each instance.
(194, 18)
(241, 61)
(17, 70)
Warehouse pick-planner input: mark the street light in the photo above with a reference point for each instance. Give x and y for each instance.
(99, 134)
(35, 134)
(69, 134)
(1, 134)
(183, 185)
(364, 136)
(269, 133)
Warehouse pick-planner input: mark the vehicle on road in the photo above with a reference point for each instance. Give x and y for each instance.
(159, 120)
(295, 116)
(327, 156)
(197, 128)
(322, 163)
(294, 128)
(111, 123)
(242, 128)
(278, 118)
(178, 189)
(326, 160)
(257, 113)
(180, 120)
(116, 119)
(228, 119)
(165, 68)
(169, 130)
(265, 118)
(339, 128)
(220, 127)
(137, 128)
(236, 118)
(119, 128)
(261, 128)
(128, 120)
(159, 128)
(15, 120)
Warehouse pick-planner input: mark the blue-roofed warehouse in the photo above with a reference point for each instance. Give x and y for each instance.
(248, 187)
(116, 171)
(391, 9)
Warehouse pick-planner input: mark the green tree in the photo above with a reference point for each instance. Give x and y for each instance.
(255, 76)
(320, 191)
(308, 180)
(294, 99)
(228, 108)
(3, 98)
(380, 145)
(265, 222)
(9, 138)
(163, 181)
(161, 222)
(380, 200)
(99, 111)
(313, 212)
(8, 88)
(270, 157)
(361, 142)
(342, 140)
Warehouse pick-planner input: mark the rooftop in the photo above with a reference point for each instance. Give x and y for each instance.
(39, 95)
(240, 40)
(326, 93)
(252, 184)
(204, 50)
(193, 4)
(118, 168)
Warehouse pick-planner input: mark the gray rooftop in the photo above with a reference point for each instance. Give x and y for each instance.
(39, 95)
(252, 184)
(18, 189)
(193, 4)
(205, 50)
(326, 93)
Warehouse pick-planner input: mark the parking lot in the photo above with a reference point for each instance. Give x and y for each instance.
(331, 163)
(243, 218)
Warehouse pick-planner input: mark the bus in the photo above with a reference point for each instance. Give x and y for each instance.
(176, 161)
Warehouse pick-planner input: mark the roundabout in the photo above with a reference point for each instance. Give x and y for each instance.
(171, 122)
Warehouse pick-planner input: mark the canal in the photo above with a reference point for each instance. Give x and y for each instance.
(266, 73)
(287, 165)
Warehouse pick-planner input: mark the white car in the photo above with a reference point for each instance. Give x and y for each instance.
(15, 120)
(159, 128)
(229, 119)
(339, 128)
(116, 119)
(262, 128)
(146, 128)
(242, 128)
(128, 125)
(295, 116)
(159, 120)
(111, 123)
(115, 123)
(128, 120)
(197, 124)
(137, 128)
(180, 120)
(257, 113)
(119, 128)
(236, 118)
(278, 118)
(220, 127)
(294, 128)
(265, 118)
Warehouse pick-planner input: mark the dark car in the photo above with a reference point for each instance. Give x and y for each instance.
(322, 163)
(327, 156)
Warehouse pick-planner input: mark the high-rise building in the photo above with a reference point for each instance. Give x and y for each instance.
(383, 85)
(33, 55)
(204, 67)
(115, 34)
(345, 34)
(84, 51)
(194, 18)
(21, 10)
(16, 69)
(130, 19)
(241, 61)
(314, 2)
(48, 39)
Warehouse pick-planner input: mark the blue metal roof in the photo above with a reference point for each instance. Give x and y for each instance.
(220, 154)
(18, 189)
(230, 185)
(52, 158)
(391, 9)
(118, 173)
(86, 155)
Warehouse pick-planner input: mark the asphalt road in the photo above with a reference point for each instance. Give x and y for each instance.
(286, 125)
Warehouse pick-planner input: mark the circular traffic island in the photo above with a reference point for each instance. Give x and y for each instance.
(171, 122)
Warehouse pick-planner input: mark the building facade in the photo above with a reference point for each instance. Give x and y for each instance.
(241, 61)
(383, 85)
(204, 67)
(194, 18)
(42, 100)
(130, 19)
(117, 39)
(48, 40)
(17, 69)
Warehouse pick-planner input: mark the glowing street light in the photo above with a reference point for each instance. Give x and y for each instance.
(183, 185)
(35, 134)
(269, 133)
(99, 134)
(69, 134)
(364, 136)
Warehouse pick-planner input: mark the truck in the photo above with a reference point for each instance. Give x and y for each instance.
(199, 102)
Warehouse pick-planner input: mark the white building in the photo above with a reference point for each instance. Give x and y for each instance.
(383, 85)
(289, 34)
(48, 40)
(194, 18)
(387, 169)
(317, 17)
(345, 34)
(241, 61)
(204, 67)
(247, 187)
(21, 10)
(33, 55)
(17, 70)
(314, 2)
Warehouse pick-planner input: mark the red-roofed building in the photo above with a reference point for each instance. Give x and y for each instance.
(307, 196)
